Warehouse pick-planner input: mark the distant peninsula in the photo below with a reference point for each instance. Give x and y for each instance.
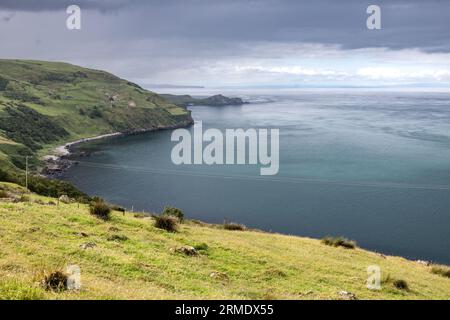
(216, 100)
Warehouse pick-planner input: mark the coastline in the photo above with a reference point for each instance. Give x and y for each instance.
(59, 161)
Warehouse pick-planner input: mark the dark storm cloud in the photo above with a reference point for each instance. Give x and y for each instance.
(406, 24)
(51, 5)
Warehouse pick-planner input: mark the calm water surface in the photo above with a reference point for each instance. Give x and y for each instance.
(374, 167)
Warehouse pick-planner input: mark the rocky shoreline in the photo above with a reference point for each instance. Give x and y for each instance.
(59, 162)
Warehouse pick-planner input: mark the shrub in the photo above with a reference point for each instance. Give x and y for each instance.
(201, 247)
(56, 281)
(100, 209)
(441, 270)
(401, 284)
(167, 223)
(118, 209)
(339, 242)
(94, 113)
(4, 194)
(174, 212)
(3, 83)
(233, 226)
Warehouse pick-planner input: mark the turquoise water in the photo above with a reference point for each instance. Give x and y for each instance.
(374, 167)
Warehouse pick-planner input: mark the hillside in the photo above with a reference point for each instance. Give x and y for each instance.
(46, 103)
(128, 258)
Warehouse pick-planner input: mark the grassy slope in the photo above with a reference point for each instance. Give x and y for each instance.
(36, 237)
(82, 101)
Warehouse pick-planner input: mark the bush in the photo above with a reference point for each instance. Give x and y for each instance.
(201, 247)
(3, 194)
(94, 113)
(339, 242)
(56, 281)
(401, 284)
(441, 270)
(3, 83)
(233, 226)
(174, 212)
(118, 209)
(100, 209)
(167, 223)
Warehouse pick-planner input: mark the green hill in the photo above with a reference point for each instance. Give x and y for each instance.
(127, 257)
(43, 104)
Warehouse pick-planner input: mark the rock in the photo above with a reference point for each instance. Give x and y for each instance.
(423, 262)
(187, 250)
(55, 166)
(347, 295)
(64, 199)
(117, 237)
(88, 245)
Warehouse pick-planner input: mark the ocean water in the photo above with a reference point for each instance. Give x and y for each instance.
(370, 166)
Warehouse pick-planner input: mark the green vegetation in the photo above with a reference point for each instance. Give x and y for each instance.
(44, 104)
(339, 242)
(167, 223)
(38, 184)
(129, 258)
(174, 212)
(100, 209)
(56, 281)
(441, 270)
(30, 128)
(233, 226)
(401, 284)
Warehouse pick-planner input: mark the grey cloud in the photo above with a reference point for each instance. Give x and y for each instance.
(54, 5)
(188, 40)
(406, 24)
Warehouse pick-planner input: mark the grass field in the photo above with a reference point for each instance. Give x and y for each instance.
(131, 259)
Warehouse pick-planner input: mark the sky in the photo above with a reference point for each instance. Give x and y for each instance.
(236, 43)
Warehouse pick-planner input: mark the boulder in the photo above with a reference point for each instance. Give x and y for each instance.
(88, 245)
(187, 250)
(347, 295)
(64, 199)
